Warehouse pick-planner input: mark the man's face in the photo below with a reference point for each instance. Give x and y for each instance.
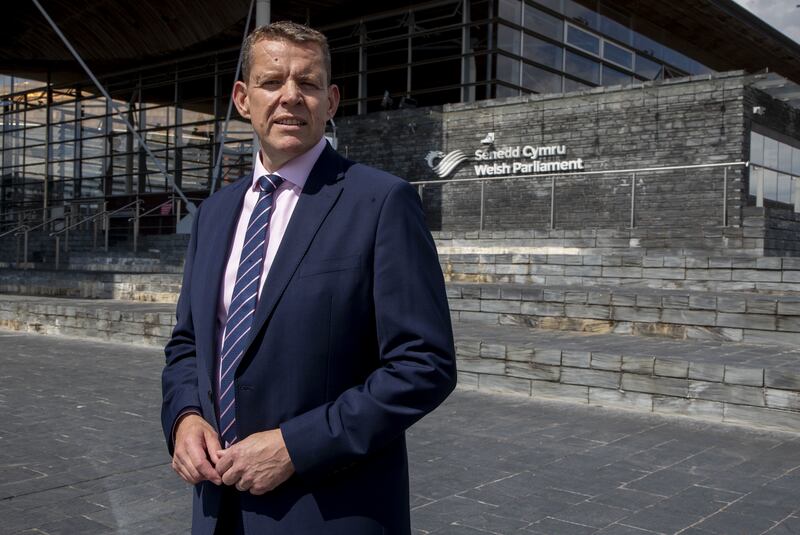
(287, 98)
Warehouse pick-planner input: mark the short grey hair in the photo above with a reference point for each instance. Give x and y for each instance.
(285, 30)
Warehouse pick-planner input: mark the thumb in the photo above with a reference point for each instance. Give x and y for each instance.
(212, 445)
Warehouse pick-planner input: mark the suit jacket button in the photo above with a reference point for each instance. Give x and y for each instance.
(210, 396)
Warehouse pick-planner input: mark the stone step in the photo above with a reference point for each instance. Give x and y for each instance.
(756, 385)
(737, 317)
(705, 273)
(96, 282)
(753, 384)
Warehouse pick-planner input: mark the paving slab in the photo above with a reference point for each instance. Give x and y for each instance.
(81, 452)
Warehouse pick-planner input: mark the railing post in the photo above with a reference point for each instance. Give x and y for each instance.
(58, 250)
(633, 200)
(25, 248)
(759, 187)
(135, 227)
(552, 202)
(483, 200)
(725, 197)
(177, 213)
(94, 234)
(105, 227)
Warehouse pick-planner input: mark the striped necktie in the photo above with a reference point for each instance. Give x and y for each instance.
(243, 305)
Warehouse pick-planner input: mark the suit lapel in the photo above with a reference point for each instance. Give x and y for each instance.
(319, 195)
(225, 215)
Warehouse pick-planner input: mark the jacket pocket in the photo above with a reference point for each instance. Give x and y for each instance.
(330, 265)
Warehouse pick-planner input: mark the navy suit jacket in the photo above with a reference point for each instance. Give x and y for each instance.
(351, 344)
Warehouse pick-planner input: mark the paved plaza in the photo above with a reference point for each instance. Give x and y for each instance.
(81, 452)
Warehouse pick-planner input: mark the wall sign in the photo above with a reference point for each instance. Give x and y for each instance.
(506, 161)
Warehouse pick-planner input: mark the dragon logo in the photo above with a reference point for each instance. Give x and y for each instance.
(443, 164)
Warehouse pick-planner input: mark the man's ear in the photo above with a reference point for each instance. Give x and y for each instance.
(240, 99)
(333, 100)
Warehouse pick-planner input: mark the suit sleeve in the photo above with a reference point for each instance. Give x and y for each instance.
(417, 369)
(179, 378)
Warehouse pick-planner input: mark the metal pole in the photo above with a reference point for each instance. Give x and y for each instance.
(25, 249)
(259, 16)
(117, 109)
(633, 200)
(483, 197)
(135, 227)
(177, 213)
(106, 221)
(725, 197)
(552, 202)
(58, 250)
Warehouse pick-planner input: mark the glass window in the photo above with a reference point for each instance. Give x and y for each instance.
(583, 40)
(542, 52)
(756, 148)
(647, 45)
(614, 29)
(770, 184)
(647, 69)
(507, 69)
(795, 161)
(784, 157)
(784, 189)
(539, 80)
(675, 58)
(555, 5)
(770, 152)
(508, 39)
(540, 22)
(618, 55)
(503, 91)
(582, 67)
(580, 14)
(756, 174)
(510, 10)
(574, 85)
(615, 77)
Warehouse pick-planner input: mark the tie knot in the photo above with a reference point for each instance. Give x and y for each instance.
(269, 183)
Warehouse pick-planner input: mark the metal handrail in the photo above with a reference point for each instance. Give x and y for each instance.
(95, 216)
(14, 230)
(151, 210)
(45, 223)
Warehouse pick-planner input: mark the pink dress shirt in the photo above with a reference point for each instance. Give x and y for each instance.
(295, 172)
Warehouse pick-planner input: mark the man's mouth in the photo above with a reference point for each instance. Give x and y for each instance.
(290, 122)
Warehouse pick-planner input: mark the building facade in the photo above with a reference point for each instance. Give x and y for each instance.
(592, 87)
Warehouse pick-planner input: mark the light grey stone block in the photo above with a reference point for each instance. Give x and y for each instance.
(664, 273)
(501, 306)
(655, 385)
(707, 371)
(738, 375)
(519, 353)
(539, 372)
(747, 321)
(708, 274)
(789, 308)
(623, 300)
(473, 305)
(648, 301)
(493, 351)
(789, 323)
(603, 397)
(542, 309)
(562, 392)
(606, 361)
(504, 385)
(495, 367)
(587, 311)
(641, 315)
(638, 364)
(671, 368)
(690, 317)
(703, 302)
(675, 301)
(692, 408)
(468, 348)
(547, 356)
(586, 377)
(763, 417)
(576, 359)
(782, 399)
(762, 305)
(750, 336)
(755, 275)
(742, 395)
(478, 317)
(787, 380)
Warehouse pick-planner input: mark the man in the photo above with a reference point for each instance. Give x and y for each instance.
(287, 394)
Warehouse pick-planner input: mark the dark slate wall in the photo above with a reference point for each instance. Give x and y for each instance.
(679, 122)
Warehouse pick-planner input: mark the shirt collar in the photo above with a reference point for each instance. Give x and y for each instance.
(295, 170)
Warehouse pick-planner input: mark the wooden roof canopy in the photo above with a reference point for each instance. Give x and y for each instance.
(117, 35)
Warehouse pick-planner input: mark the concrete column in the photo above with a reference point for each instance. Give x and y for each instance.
(263, 12)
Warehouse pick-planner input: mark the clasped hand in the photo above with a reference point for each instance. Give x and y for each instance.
(258, 463)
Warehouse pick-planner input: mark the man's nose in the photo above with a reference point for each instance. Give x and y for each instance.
(291, 93)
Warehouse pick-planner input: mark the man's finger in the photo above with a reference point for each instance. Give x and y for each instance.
(224, 463)
(231, 476)
(212, 446)
(202, 466)
(182, 471)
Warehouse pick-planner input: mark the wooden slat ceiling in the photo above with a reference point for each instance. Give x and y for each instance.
(117, 35)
